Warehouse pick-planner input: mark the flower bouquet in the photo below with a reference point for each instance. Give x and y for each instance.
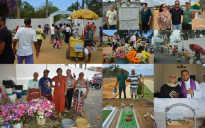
(144, 57)
(139, 47)
(196, 6)
(14, 114)
(132, 56)
(41, 108)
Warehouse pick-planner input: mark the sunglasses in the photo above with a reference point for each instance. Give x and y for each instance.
(165, 7)
(176, 4)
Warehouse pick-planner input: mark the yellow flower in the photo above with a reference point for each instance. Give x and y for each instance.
(192, 5)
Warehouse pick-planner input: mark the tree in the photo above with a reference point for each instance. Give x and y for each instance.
(95, 6)
(7, 7)
(165, 35)
(18, 4)
(122, 33)
(27, 10)
(46, 8)
(74, 6)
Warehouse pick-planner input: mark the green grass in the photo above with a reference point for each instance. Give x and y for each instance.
(147, 92)
(124, 123)
(106, 114)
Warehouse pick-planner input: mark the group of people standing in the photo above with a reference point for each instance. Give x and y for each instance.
(172, 18)
(66, 88)
(183, 88)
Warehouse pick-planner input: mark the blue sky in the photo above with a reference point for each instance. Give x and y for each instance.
(144, 69)
(179, 112)
(111, 32)
(61, 4)
(171, 2)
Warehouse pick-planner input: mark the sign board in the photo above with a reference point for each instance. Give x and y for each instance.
(78, 47)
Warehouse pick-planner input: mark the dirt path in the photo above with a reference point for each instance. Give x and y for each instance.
(50, 55)
(174, 124)
(195, 22)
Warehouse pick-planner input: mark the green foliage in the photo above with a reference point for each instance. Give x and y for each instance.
(75, 6)
(157, 6)
(95, 6)
(191, 34)
(199, 12)
(165, 34)
(27, 10)
(122, 33)
(112, 71)
(5, 101)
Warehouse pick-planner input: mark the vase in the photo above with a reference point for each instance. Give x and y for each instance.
(121, 61)
(41, 121)
(17, 125)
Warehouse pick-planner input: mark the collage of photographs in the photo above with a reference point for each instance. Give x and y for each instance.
(102, 63)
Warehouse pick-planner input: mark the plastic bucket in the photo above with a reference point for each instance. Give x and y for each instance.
(24, 92)
(18, 91)
(12, 98)
(18, 95)
(82, 123)
(41, 121)
(9, 90)
(9, 94)
(67, 123)
(18, 87)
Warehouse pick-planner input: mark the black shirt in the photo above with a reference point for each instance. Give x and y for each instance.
(176, 16)
(7, 57)
(167, 91)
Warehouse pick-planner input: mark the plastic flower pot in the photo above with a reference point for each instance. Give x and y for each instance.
(67, 123)
(17, 125)
(18, 95)
(8, 86)
(108, 61)
(8, 90)
(24, 92)
(41, 121)
(121, 61)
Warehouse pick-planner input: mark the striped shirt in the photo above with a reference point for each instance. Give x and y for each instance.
(135, 79)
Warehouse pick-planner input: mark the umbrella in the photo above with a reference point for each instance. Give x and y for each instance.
(198, 48)
(84, 14)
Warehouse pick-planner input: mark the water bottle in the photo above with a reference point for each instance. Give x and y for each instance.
(115, 90)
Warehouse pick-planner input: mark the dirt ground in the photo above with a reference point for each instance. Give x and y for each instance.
(50, 55)
(141, 108)
(109, 49)
(195, 22)
(109, 84)
(174, 124)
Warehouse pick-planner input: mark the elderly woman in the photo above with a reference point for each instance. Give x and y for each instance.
(59, 91)
(111, 17)
(171, 89)
(81, 90)
(146, 16)
(70, 90)
(132, 39)
(33, 88)
(164, 18)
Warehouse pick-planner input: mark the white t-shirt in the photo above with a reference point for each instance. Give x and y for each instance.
(74, 30)
(52, 31)
(67, 29)
(112, 17)
(26, 38)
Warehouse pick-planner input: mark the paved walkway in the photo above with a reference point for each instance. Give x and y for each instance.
(160, 58)
(50, 55)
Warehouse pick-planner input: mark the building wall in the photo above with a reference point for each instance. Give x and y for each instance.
(160, 119)
(7, 71)
(12, 23)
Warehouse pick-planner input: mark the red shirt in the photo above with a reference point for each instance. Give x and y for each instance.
(17, 29)
(0, 90)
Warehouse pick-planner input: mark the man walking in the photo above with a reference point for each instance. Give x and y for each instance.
(6, 53)
(188, 15)
(134, 85)
(26, 36)
(176, 16)
(52, 31)
(39, 34)
(101, 35)
(121, 77)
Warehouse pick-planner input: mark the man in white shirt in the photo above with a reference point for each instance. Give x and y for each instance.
(189, 87)
(179, 81)
(202, 85)
(26, 36)
(67, 33)
(52, 31)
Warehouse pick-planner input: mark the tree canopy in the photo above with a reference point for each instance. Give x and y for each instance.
(191, 34)
(7, 7)
(165, 35)
(112, 71)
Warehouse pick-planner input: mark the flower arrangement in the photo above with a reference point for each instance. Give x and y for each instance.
(144, 57)
(41, 108)
(196, 6)
(120, 53)
(132, 56)
(13, 113)
(140, 46)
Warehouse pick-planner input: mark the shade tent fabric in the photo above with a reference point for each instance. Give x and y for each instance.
(196, 47)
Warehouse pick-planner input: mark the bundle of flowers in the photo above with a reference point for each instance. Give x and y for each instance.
(144, 57)
(127, 48)
(41, 108)
(120, 53)
(132, 56)
(196, 6)
(13, 113)
(140, 46)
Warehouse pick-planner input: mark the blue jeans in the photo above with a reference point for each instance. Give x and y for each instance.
(112, 26)
(28, 59)
(120, 91)
(176, 27)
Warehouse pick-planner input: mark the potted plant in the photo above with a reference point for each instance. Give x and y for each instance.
(41, 108)
(14, 114)
(121, 56)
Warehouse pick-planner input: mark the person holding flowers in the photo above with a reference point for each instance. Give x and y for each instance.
(70, 86)
(114, 38)
(81, 90)
(33, 88)
(60, 90)
(132, 39)
(45, 86)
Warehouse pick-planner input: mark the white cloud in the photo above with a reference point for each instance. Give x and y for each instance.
(171, 2)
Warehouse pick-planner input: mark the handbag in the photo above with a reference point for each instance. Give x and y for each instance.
(58, 42)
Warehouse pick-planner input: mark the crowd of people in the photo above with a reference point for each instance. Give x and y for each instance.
(65, 89)
(168, 19)
(26, 37)
(185, 87)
